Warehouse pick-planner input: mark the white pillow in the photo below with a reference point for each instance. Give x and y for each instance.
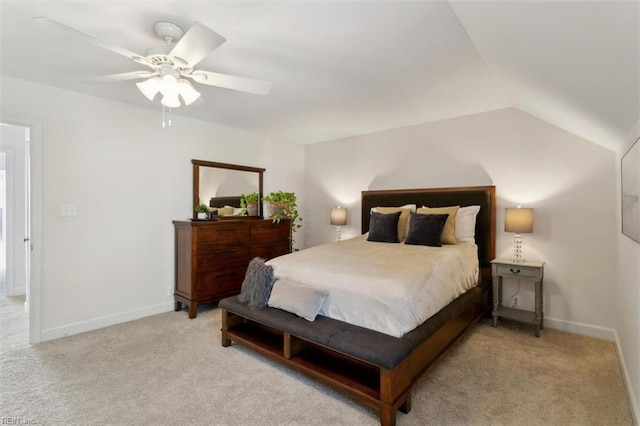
(466, 224)
(303, 301)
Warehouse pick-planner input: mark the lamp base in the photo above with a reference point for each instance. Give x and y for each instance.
(517, 249)
(338, 233)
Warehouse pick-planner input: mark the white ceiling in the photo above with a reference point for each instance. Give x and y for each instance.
(346, 68)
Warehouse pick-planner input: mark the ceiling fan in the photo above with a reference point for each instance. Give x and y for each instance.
(171, 63)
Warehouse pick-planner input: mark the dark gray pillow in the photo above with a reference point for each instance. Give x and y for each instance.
(257, 284)
(383, 228)
(426, 229)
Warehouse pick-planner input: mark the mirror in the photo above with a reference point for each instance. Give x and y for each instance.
(225, 183)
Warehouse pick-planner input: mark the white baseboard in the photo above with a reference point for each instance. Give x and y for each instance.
(633, 402)
(18, 291)
(105, 321)
(582, 329)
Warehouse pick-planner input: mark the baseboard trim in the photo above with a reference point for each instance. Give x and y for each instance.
(580, 328)
(633, 402)
(105, 321)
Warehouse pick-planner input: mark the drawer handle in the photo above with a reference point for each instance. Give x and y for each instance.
(516, 272)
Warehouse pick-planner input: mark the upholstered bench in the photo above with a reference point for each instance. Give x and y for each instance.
(372, 367)
(367, 345)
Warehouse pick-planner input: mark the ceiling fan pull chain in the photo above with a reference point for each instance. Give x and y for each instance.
(166, 122)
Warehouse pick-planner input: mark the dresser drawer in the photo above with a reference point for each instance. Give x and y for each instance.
(517, 271)
(222, 237)
(219, 283)
(269, 251)
(223, 260)
(264, 231)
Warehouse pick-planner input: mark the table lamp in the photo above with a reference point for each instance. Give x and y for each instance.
(520, 221)
(338, 218)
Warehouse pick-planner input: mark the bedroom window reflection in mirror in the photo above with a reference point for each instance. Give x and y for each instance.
(224, 183)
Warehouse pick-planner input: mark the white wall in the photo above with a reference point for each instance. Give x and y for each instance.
(569, 181)
(130, 179)
(628, 297)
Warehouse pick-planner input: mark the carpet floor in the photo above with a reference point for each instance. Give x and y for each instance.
(168, 370)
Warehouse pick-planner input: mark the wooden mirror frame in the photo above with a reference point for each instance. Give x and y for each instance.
(196, 180)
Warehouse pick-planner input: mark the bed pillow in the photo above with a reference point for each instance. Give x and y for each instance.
(426, 229)
(257, 284)
(383, 228)
(225, 211)
(466, 224)
(403, 223)
(303, 301)
(449, 231)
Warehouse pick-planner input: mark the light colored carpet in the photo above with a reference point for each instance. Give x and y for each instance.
(167, 369)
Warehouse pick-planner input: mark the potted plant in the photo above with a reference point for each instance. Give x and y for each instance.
(202, 210)
(249, 202)
(282, 205)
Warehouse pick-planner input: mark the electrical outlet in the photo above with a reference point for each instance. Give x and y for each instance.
(69, 210)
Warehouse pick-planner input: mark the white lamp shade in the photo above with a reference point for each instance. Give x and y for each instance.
(518, 220)
(171, 100)
(188, 93)
(149, 87)
(169, 85)
(338, 216)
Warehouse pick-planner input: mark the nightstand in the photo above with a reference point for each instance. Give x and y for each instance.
(531, 271)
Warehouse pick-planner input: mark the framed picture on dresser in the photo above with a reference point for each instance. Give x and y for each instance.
(630, 172)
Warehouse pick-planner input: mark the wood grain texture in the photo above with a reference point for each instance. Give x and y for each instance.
(211, 257)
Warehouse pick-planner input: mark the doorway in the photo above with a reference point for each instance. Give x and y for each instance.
(16, 218)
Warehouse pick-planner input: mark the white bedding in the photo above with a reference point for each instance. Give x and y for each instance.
(391, 288)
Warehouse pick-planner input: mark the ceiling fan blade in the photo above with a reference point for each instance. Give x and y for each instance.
(114, 78)
(231, 82)
(197, 44)
(94, 40)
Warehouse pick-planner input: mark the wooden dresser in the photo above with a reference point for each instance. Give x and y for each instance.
(211, 257)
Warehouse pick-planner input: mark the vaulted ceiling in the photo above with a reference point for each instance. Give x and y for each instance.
(346, 68)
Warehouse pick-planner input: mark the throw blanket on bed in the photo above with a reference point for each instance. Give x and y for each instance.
(391, 288)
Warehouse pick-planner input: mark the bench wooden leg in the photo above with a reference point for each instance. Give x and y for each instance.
(225, 341)
(225, 326)
(406, 405)
(387, 415)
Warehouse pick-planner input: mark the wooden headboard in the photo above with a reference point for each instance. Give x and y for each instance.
(224, 201)
(483, 196)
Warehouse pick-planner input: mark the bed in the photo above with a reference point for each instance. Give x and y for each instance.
(374, 367)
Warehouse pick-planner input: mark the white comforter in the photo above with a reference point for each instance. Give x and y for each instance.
(391, 288)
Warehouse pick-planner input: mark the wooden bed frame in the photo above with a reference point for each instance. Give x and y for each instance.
(384, 389)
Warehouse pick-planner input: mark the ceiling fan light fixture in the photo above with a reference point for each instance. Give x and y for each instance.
(187, 91)
(149, 87)
(169, 85)
(170, 100)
